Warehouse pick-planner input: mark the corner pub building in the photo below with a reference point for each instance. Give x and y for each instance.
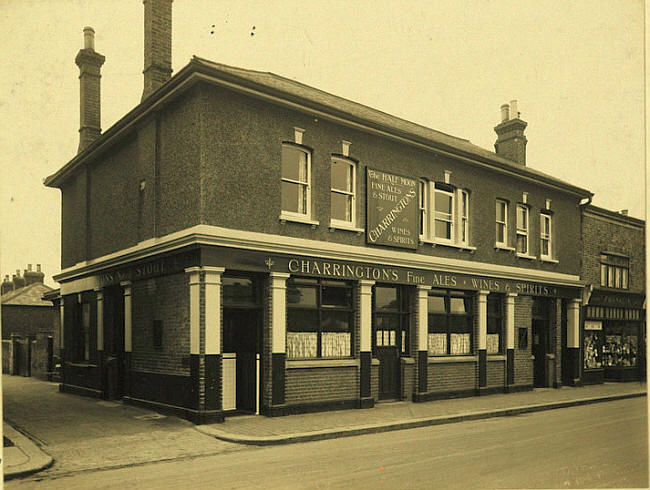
(243, 243)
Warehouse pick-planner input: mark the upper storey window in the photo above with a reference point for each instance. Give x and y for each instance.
(296, 181)
(501, 223)
(614, 271)
(448, 223)
(343, 192)
(545, 237)
(522, 229)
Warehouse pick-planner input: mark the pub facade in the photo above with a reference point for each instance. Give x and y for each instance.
(243, 243)
(614, 329)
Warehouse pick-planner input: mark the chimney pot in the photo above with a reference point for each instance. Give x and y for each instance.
(624, 212)
(29, 267)
(38, 267)
(505, 112)
(89, 38)
(514, 111)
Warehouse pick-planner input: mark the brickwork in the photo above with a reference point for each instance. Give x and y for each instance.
(157, 44)
(165, 298)
(622, 235)
(374, 381)
(496, 373)
(29, 320)
(453, 376)
(523, 357)
(409, 383)
(267, 386)
(321, 384)
(556, 327)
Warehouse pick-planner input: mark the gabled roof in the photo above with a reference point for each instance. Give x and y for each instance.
(31, 295)
(284, 91)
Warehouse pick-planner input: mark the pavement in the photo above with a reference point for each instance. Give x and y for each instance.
(58, 434)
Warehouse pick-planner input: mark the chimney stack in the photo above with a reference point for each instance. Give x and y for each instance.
(511, 141)
(157, 44)
(32, 277)
(19, 282)
(89, 63)
(7, 285)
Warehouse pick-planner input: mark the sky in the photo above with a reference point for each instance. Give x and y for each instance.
(576, 69)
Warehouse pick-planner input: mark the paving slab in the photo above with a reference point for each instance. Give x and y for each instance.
(24, 457)
(256, 430)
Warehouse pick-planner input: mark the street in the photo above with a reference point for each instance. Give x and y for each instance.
(591, 446)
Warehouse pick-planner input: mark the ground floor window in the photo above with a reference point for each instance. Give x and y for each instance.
(621, 344)
(319, 318)
(593, 345)
(450, 322)
(495, 323)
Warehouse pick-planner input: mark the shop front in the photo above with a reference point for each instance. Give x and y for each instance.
(613, 337)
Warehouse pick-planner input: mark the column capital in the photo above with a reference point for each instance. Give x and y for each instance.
(424, 287)
(366, 282)
(575, 303)
(213, 275)
(511, 295)
(212, 269)
(279, 275)
(482, 294)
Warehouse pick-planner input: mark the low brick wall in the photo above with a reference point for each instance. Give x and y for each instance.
(496, 375)
(7, 357)
(453, 376)
(313, 384)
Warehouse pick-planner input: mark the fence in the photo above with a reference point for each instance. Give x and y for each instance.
(31, 356)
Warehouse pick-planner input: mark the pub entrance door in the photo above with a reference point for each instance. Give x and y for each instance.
(113, 343)
(242, 344)
(390, 339)
(541, 341)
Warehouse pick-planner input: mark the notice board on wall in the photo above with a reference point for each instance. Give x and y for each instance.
(391, 210)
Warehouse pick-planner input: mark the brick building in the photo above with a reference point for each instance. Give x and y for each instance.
(24, 312)
(241, 242)
(613, 265)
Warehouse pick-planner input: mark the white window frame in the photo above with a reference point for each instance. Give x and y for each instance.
(307, 184)
(503, 223)
(462, 218)
(337, 223)
(423, 209)
(523, 231)
(544, 237)
(452, 216)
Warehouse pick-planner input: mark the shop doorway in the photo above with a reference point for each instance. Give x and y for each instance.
(242, 344)
(114, 343)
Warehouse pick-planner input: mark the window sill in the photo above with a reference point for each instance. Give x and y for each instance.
(525, 256)
(496, 357)
(504, 248)
(82, 364)
(298, 219)
(433, 243)
(319, 363)
(444, 359)
(549, 260)
(345, 227)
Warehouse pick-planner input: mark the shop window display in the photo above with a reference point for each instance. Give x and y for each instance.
(620, 347)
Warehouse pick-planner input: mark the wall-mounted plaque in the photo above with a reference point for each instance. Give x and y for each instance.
(391, 210)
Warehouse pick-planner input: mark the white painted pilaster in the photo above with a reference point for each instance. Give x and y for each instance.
(482, 319)
(213, 309)
(365, 315)
(99, 295)
(195, 308)
(510, 320)
(61, 325)
(573, 324)
(423, 317)
(128, 333)
(278, 291)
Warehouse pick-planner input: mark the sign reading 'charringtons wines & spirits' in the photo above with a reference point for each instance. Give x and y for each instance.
(391, 210)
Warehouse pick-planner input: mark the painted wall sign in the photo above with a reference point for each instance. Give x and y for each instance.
(144, 270)
(622, 300)
(593, 325)
(391, 210)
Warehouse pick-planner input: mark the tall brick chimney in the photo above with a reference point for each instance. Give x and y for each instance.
(89, 63)
(157, 44)
(33, 276)
(511, 141)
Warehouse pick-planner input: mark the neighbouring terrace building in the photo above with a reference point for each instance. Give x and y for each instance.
(613, 265)
(243, 243)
